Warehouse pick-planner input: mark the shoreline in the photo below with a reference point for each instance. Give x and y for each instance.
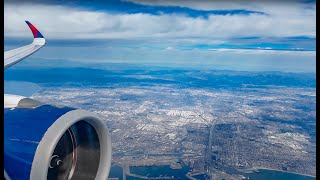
(263, 168)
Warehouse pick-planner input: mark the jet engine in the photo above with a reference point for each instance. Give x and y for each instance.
(55, 143)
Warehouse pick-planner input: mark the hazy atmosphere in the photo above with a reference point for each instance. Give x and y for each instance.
(237, 35)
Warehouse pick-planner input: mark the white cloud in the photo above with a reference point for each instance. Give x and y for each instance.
(284, 7)
(267, 51)
(59, 22)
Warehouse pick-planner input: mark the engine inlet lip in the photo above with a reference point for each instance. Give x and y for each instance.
(44, 151)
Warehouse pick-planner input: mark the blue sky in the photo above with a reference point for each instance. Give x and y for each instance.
(236, 35)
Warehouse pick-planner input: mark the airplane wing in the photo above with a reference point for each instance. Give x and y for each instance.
(43, 141)
(16, 55)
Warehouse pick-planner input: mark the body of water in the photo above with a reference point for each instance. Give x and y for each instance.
(265, 174)
(160, 171)
(156, 172)
(21, 88)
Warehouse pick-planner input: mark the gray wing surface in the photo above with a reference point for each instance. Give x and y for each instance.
(16, 55)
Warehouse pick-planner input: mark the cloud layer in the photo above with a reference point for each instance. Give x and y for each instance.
(64, 22)
(282, 37)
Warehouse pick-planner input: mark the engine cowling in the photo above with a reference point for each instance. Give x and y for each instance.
(49, 142)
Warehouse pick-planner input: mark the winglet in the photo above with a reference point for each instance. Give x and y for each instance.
(35, 32)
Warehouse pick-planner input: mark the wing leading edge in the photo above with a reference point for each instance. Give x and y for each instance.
(16, 55)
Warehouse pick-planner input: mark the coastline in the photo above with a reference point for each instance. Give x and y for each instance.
(263, 168)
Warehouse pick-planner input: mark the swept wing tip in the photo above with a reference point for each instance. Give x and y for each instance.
(34, 30)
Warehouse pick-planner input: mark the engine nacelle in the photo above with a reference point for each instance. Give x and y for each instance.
(50, 142)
